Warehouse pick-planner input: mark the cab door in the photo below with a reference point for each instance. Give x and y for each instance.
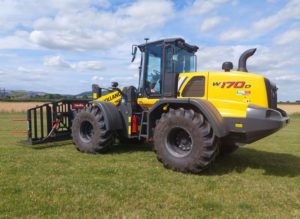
(151, 86)
(170, 76)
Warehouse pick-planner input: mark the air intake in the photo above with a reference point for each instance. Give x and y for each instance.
(243, 59)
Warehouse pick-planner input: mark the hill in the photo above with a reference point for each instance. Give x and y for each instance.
(22, 95)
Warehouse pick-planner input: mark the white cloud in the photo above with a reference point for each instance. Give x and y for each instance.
(203, 6)
(99, 30)
(266, 24)
(288, 78)
(80, 25)
(89, 65)
(210, 23)
(273, 62)
(26, 74)
(19, 40)
(56, 61)
(23, 13)
(78, 41)
(233, 34)
(97, 78)
(291, 36)
(125, 79)
(84, 81)
(291, 10)
(75, 5)
(18, 12)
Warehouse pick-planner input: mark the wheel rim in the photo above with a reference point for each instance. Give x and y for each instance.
(86, 131)
(179, 142)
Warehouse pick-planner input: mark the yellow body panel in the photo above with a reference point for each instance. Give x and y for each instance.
(232, 92)
(147, 102)
(229, 92)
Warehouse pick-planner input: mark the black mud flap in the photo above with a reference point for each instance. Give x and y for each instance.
(52, 121)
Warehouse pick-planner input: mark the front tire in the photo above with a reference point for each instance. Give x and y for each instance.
(89, 132)
(184, 141)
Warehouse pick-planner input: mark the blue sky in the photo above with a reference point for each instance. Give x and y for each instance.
(63, 46)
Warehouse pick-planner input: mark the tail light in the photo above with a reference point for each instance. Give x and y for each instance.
(134, 124)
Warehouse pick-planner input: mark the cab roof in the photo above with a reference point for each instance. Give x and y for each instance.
(177, 41)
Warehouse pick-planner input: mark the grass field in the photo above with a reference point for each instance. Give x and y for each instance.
(261, 180)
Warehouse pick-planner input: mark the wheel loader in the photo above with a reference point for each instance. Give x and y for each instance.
(190, 116)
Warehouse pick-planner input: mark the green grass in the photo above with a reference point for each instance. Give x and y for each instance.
(261, 180)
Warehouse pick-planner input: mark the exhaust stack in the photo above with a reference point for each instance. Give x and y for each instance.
(243, 59)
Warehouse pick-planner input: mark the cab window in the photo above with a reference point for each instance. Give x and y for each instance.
(179, 60)
(153, 73)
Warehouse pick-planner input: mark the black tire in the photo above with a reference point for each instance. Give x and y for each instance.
(184, 141)
(227, 148)
(89, 131)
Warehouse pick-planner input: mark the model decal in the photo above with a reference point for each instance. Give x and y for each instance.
(232, 84)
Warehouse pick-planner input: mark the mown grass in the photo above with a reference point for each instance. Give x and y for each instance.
(261, 180)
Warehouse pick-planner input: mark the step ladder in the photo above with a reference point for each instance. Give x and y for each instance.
(144, 125)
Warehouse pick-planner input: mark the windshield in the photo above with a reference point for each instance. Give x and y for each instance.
(180, 60)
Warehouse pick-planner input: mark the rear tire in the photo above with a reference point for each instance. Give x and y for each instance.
(184, 141)
(89, 132)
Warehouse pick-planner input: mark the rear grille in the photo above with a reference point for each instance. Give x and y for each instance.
(271, 93)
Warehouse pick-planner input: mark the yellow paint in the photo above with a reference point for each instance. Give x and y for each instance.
(239, 125)
(147, 102)
(95, 96)
(227, 100)
(113, 97)
(165, 108)
(231, 100)
(129, 119)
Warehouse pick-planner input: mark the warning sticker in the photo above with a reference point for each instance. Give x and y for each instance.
(243, 92)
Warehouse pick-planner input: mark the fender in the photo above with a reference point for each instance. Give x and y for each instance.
(112, 116)
(198, 105)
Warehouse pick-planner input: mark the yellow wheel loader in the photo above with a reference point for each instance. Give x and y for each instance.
(190, 116)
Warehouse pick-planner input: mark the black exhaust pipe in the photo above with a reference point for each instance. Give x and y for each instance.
(243, 59)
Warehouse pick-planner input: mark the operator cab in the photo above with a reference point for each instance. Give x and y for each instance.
(161, 63)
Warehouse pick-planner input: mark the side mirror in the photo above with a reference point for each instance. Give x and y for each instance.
(133, 53)
(227, 66)
(114, 84)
